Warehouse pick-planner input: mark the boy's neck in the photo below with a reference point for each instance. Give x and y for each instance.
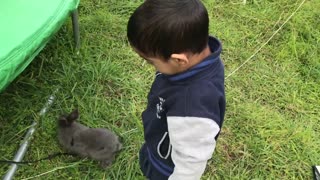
(197, 58)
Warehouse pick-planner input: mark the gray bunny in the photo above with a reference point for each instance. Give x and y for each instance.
(96, 143)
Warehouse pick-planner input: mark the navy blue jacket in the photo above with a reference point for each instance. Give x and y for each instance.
(198, 92)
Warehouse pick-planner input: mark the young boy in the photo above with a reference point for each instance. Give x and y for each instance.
(186, 103)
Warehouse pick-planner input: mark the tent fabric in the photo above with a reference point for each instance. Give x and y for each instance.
(25, 28)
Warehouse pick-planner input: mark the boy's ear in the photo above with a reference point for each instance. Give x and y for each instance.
(181, 59)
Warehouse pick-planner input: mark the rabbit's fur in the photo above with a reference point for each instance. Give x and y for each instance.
(96, 143)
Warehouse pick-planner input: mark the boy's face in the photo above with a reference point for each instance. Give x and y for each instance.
(168, 67)
(177, 63)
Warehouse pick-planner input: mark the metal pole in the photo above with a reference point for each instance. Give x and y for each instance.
(76, 30)
(24, 146)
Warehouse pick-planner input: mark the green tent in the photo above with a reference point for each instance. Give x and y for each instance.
(25, 28)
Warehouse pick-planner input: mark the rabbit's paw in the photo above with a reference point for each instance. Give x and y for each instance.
(105, 164)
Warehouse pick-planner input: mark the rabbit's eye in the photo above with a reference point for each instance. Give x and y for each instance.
(71, 143)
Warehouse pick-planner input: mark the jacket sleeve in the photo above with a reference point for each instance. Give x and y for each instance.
(194, 120)
(193, 142)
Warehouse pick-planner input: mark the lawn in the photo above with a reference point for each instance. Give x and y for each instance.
(271, 51)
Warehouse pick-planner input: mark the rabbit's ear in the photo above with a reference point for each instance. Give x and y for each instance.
(63, 122)
(74, 115)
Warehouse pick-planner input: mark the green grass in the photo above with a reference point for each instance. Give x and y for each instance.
(271, 128)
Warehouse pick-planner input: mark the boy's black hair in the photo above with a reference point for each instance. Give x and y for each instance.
(159, 28)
